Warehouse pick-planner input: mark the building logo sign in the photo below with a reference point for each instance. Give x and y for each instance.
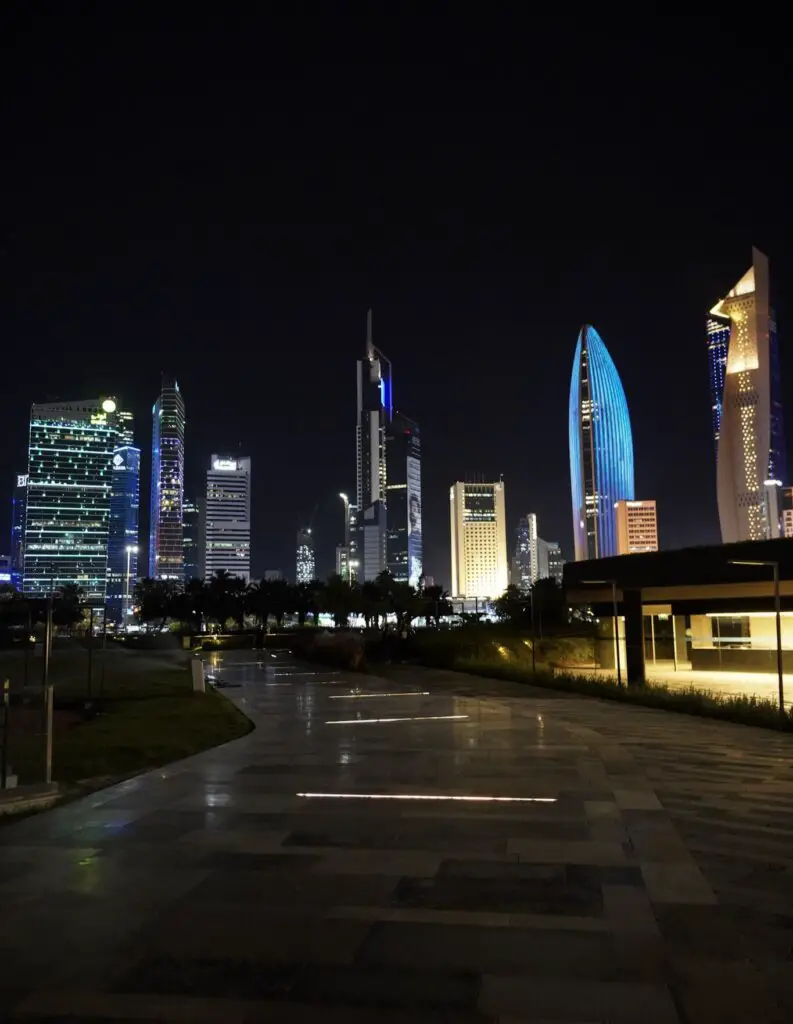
(225, 465)
(118, 460)
(22, 480)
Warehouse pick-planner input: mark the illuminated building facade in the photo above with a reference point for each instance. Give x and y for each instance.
(601, 447)
(227, 517)
(193, 567)
(750, 453)
(555, 561)
(525, 560)
(374, 417)
(479, 540)
(787, 512)
(122, 546)
(637, 527)
(403, 500)
(306, 569)
(18, 508)
(166, 545)
(70, 460)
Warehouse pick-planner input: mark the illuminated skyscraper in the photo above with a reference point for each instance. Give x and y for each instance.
(525, 560)
(374, 416)
(123, 540)
(306, 568)
(70, 459)
(750, 453)
(403, 500)
(18, 530)
(166, 550)
(227, 517)
(479, 540)
(601, 447)
(193, 567)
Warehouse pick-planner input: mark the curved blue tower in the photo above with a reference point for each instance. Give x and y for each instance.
(601, 447)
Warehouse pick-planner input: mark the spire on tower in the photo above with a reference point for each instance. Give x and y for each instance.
(369, 341)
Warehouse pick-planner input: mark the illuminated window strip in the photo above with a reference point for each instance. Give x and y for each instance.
(430, 796)
(412, 718)
(360, 696)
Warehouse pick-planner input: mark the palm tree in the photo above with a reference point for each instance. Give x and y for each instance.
(372, 603)
(225, 593)
(338, 599)
(155, 599)
(435, 604)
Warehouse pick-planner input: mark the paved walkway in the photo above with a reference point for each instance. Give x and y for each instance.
(640, 870)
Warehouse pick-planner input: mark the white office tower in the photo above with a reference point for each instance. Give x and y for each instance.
(227, 517)
(479, 540)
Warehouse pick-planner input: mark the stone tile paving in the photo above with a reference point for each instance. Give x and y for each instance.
(652, 883)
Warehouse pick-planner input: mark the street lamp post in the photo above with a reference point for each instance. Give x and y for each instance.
(613, 585)
(778, 615)
(346, 501)
(132, 549)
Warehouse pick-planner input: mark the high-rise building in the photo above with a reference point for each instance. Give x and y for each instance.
(70, 470)
(479, 540)
(166, 548)
(306, 561)
(123, 539)
(637, 527)
(374, 416)
(191, 543)
(750, 453)
(403, 500)
(555, 561)
(5, 571)
(227, 516)
(787, 512)
(18, 507)
(525, 560)
(601, 447)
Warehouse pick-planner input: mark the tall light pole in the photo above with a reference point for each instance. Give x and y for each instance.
(346, 501)
(778, 615)
(613, 585)
(132, 549)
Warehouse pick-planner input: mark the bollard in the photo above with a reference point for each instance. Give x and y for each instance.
(197, 669)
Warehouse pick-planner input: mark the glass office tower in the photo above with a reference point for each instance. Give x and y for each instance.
(122, 549)
(70, 458)
(166, 543)
(403, 500)
(601, 447)
(374, 416)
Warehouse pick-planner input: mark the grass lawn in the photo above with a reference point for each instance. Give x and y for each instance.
(148, 715)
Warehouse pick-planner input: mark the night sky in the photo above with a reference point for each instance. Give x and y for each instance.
(224, 199)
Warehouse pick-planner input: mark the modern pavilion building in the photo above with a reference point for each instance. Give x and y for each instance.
(601, 447)
(747, 408)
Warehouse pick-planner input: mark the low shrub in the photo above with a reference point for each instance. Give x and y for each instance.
(339, 650)
(742, 709)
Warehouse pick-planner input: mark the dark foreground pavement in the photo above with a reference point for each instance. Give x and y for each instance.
(642, 873)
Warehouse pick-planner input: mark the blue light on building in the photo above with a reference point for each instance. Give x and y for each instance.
(718, 342)
(122, 546)
(601, 447)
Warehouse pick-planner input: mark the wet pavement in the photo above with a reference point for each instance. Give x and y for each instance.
(424, 848)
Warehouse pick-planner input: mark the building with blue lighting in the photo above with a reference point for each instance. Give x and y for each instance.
(70, 457)
(166, 540)
(122, 543)
(601, 447)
